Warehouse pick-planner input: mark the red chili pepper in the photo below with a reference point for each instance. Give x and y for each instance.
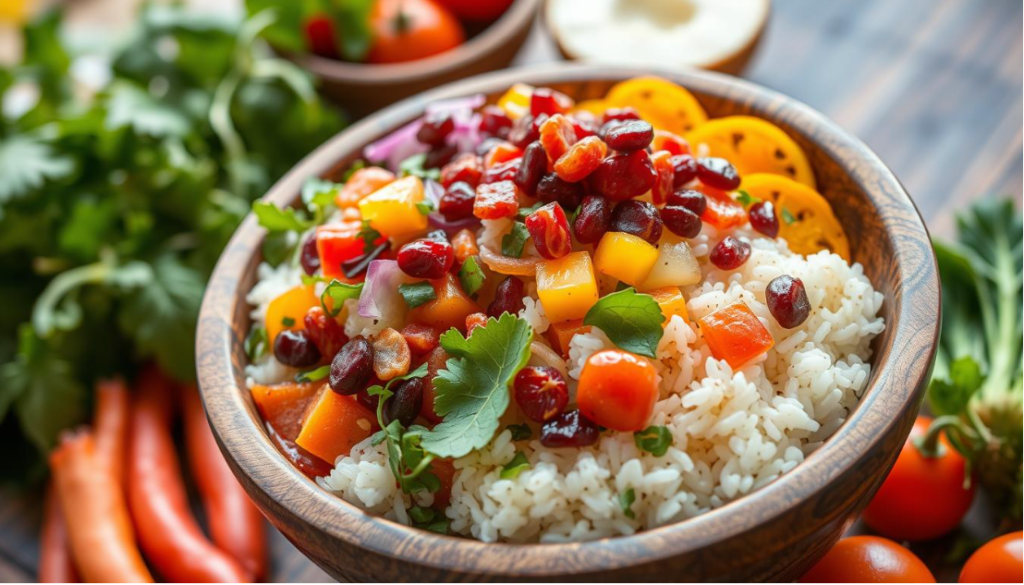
(98, 523)
(56, 564)
(236, 525)
(111, 424)
(167, 531)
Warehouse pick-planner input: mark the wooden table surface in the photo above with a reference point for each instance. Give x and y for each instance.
(933, 87)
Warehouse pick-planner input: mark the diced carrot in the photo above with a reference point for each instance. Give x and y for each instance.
(334, 424)
(288, 310)
(362, 183)
(722, 211)
(283, 406)
(562, 333)
(449, 309)
(735, 334)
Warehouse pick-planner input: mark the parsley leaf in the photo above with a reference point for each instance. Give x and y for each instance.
(339, 292)
(626, 500)
(513, 468)
(409, 463)
(26, 164)
(654, 439)
(513, 242)
(313, 375)
(471, 276)
(276, 219)
(414, 166)
(521, 432)
(746, 199)
(417, 293)
(631, 320)
(472, 390)
(256, 343)
(370, 236)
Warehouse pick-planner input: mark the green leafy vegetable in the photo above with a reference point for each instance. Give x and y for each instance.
(626, 500)
(472, 390)
(787, 216)
(524, 212)
(369, 236)
(471, 276)
(339, 292)
(512, 243)
(424, 207)
(746, 199)
(409, 463)
(654, 439)
(256, 343)
(521, 432)
(413, 166)
(513, 468)
(429, 519)
(276, 219)
(631, 320)
(288, 321)
(417, 293)
(313, 375)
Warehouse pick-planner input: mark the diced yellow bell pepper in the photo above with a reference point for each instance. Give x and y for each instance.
(392, 210)
(625, 257)
(567, 287)
(516, 101)
(288, 310)
(671, 301)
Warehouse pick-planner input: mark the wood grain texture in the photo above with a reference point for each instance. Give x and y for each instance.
(774, 533)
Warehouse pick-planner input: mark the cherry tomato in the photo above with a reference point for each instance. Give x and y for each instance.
(477, 10)
(868, 559)
(320, 36)
(617, 390)
(999, 561)
(406, 30)
(900, 509)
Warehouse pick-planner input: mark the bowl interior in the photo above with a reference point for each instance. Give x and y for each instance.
(887, 238)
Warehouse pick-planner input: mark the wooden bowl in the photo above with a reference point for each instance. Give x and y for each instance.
(363, 88)
(775, 533)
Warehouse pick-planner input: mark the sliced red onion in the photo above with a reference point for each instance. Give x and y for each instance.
(380, 298)
(396, 147)
(433, 191)
(440, 222)
(456, 105)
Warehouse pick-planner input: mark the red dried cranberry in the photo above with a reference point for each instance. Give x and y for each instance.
(508, 298)
(295, 349)
(545, 100)
(325, 331)
(532, 168)
(629, 136)
(624, 176)
(584, 126)
(310, 257)
(435, 128)
(569, 429)
(457, 201)
(525, 130)
(440, 156)
(406, 403)
(690, 199)
(621, 114)
(730, 253)
(540, 392)
(604, 129)
(639, 218)
(549, 229)
(787, 301)
(763, 219)
(681, 221)
(495, 122)
(593, 219)
(467, 167)
(426, 258)
(685, 167)
(552, 188)
(352, 367)
(503, 172)
(718, 173)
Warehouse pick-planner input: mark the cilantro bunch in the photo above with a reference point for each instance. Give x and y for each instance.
(116, 200)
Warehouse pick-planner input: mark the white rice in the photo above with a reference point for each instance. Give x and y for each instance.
(733, 431)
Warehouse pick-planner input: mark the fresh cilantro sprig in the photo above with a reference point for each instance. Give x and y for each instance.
(409, 462)
(512, 469)
(626, 500)
(473, 388)
(417, 293)
(314, 375)
(630, 319)
(339, 292)
(512, 243)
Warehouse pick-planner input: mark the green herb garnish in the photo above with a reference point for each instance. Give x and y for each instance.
(521, 432)
(626, 500)
(414, 166)
(429, 519)
(256, 343)
(409, 463)
(512, 243)
(473, 389)
(654, 439)
(339, 292)
(288, 321)
(369, 235)
(630, 319)
(313, 375)
(787, 216)
(746, 199)
(471, 276)
(424, 207)
(275, 219)
(417, 293)
(513, 468)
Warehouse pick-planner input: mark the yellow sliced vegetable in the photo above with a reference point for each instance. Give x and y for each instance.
(659, 101)
(288, 310)
(753, 145)
(567, 287)
(516, 101)
(625, 257)
(806, 220)
(596, 107)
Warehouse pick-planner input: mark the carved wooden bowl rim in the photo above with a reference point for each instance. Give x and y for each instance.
(901, 363)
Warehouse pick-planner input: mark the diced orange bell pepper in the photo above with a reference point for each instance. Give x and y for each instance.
(516, 101)
(449, 309)
(362, 183)
(735, 334)
(284, 406)
(722, 211)
(501, 152)
(392, 209)
(671, 301)
(560, 334)
(288, 310)
(339, 243)
(335, 423)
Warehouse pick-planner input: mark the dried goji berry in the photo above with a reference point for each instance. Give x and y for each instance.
(582, 159)
(496, 200)
(549, 229)
(662, 161)
(467, 167)
(557, 135)
(501, 152)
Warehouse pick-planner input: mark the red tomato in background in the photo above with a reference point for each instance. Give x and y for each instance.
(477, 10)
(407, 30)
(320, 36)
(868, 559)
(1001, 560)
(923, 497)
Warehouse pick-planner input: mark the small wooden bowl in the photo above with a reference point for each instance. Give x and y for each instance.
(362, 88)
(775, 533)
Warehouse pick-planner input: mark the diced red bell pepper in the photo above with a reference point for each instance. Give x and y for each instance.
(735, 334)
(722, 212)
(466, 167)
(339, 243)
(497, 200)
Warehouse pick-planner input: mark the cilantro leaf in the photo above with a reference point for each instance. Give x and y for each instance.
(318, 195)
(417, 293)
(626, 500)
(409, 463)
(414, 166)
(429, 519)
(275, 219)
(513, 468)
(339, 292)
(370, 236)
(631, 320)
(132, 107)
(471, 276)
(654, 439)
(472, 390)
(27, 164)
(513, 242)
(746, 199)
(313, 375)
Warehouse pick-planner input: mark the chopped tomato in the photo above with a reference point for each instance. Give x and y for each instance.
(337, 244)
(617, 390)
(722, 211)
(735, 334)
(562, 333)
